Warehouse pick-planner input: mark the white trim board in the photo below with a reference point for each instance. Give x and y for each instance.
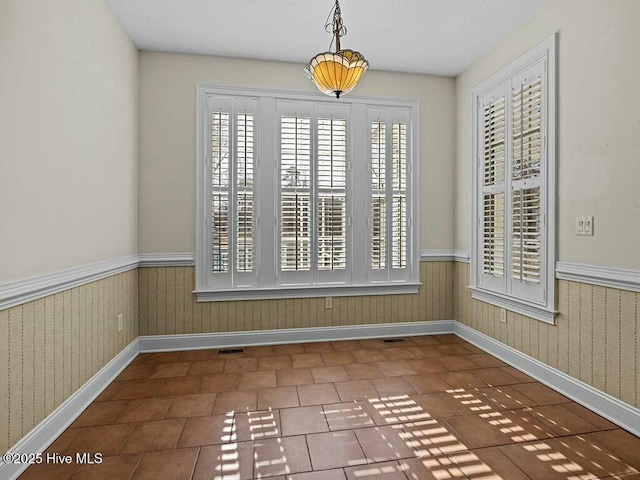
(622, 278)
(29, 289)
(444, 256)
(167, 259)
(617, 411)
(43, 435)
(167, 343)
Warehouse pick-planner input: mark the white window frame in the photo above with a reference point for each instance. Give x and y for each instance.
(544, 309)
(269, 282)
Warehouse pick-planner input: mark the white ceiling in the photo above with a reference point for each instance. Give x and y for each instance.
(441, 37)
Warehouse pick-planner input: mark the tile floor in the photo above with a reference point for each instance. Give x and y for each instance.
(432, 407)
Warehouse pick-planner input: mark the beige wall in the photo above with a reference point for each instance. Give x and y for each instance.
(598, 125)
(52, 346)
(168, 139)
(68, 136)
(596, 338)
(168, 307)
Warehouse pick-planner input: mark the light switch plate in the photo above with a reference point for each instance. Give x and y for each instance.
(584, 226)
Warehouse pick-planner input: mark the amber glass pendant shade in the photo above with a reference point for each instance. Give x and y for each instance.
(336, 73)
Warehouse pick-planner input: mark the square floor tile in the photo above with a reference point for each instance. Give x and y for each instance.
(392, 386)
(495, 377)
(206, 367)
(137, 389)
(383, 443)
(355, 390)
(504, 398)
(224, 461)
(222, 382)
(198, 405)
(279, 397)
(241, 365)
(280, 456)
(337, 358)
(398, 353)
(294, 376)
(427, 365)
(335, 450)
(317, 347)
(459, 362)
(257, 425)
(172, 464)
(303, 420)
(394, 409)
(487, 463)
(396, 368)
(317, 394)
(427, 383)
(240, 401)
(275, 362)
(363, 371)
(436, 467)
(164, 370)
(350, 415)
(180, 386)
(255, 380)
(145, 410)
(368, 356)
(431, 437)
(100, 413)
(207, 431)
(107, 440)
(541, 394)
(329, 374)
(152, 436)
(560, 420)
(624, 444)
(135, 372)
(307, 360)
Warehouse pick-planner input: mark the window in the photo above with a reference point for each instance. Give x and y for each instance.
(291, 186)
(513, 254)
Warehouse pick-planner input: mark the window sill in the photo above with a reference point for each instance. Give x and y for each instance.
(306, 292)
(535, 311)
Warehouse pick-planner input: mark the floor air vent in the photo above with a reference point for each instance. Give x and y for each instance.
(393, 340)
(228, 351)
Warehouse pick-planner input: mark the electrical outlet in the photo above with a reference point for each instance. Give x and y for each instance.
(328, 302)
(503, 315)
(120, 322)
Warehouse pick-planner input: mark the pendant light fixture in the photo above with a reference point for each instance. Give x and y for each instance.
(336, 73)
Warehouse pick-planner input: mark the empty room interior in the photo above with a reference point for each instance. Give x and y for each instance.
(315, 240)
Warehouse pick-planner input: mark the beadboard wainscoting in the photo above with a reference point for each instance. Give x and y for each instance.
(168, 306)
(595, 338)
(53, 345)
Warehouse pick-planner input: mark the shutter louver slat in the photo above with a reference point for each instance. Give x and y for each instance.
(331, 181)
(244, 200)
(220, 143)
(493, 234)
(295, 208)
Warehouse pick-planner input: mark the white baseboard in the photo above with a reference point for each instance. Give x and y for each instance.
(43, 435)
(166, 343)
(618, 412)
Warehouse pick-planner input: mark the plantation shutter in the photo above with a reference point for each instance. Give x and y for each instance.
(526, 186)
(389, 213)
(493, 219)
(295, 197)
(231, 168)
(332, 191)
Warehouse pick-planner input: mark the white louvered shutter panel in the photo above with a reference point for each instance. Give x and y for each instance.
(220, 190)
(492, 178)
(295, 197)
(390, 210)
(245, 168)
(399, 195)
(331, 184)
(378, 169)
(526, 187)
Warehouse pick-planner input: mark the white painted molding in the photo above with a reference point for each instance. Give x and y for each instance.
(621, 278)
(167, 260)
(620, 413)
(29, 289)
(444, 256)
(462, 256)
(43, 435)
(167, 343)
